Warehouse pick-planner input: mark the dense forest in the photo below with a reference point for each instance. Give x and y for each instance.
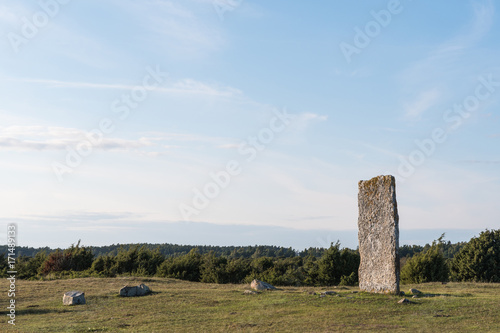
(476, 260)
(257, 251)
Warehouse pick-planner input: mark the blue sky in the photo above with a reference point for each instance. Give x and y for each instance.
(211, 120)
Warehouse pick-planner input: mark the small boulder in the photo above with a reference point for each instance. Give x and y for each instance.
(404, 301)
(329, 293)
(415, 291)
(250, 292)
(261, 285)
(140, 290)
(74, 298)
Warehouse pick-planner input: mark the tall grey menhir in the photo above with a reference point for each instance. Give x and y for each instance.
(378, 234)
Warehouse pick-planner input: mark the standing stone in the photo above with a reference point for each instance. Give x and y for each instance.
(74, 298)
(378, 235)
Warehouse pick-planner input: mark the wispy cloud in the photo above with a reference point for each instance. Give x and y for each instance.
(303, 120)
(422, 103)
(183, 86)
(42, 138)
(230, 146)
(45, 138)
(439, 67)
(481, 161)
(176, 25)
(481, 24)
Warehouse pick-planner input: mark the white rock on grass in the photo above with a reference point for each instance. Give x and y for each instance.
(260, 285)
(74, 298)
(140, 290)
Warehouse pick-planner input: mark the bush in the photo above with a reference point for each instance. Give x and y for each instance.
(187, 267)
(214, 269)
(479, 259)
(3, 265)
(104, 266)
(29, 268)
(426, 266)
(335, 264)
(75, 258)
(351, 280)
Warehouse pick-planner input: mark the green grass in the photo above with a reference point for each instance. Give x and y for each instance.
(179, 306)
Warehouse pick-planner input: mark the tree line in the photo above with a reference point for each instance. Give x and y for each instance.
(476, 260)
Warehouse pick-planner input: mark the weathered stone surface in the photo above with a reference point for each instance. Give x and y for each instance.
(140, 290)
(260, 285)
(74, 298)
(378, 234)
(250, 292)
(415, 291)
(404, 301)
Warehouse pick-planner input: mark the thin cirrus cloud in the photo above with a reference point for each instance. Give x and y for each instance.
(181, 87)
(481, 161)
(422, 103)
(176, 25)
(435, 67)
(45, 138)
(42, 138)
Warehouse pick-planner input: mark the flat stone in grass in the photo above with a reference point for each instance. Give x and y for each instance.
(405, 301)
(140, 290)
(74, 298)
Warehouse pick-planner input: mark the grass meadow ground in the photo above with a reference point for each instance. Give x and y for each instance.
(180, 306)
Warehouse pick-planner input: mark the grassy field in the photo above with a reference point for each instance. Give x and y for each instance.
(179, 306)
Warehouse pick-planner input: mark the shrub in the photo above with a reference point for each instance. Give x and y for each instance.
(334, 264)
(29, 268)
(427, 266)
(104, 266)
(214, 269)
(479, 259)
(351, 280)
(187, 267)
(75, 258)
